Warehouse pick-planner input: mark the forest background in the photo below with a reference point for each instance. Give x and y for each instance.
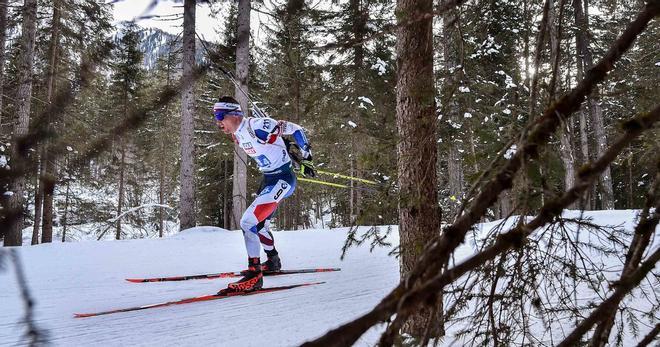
(101, 96)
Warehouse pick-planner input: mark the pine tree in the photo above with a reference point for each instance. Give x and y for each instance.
(3, 38)
(164, 138)
(13, 234)
(49, 178)
(368, 94)
(85, 28)
(595, 109)
(556, 19)
(215, 161)
(419, 214)
(481, 95)
(451, 106)
(126, 85)
(187, 171)
(239, 190)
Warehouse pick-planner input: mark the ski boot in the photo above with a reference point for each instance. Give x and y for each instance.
(273, 263)
(252, 279)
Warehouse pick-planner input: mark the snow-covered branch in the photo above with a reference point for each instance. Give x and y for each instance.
(116, 218)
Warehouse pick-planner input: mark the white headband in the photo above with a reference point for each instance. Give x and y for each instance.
(226, 106)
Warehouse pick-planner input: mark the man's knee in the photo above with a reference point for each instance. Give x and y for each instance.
(248, 223)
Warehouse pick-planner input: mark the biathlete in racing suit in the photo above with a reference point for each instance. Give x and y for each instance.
(261, 139)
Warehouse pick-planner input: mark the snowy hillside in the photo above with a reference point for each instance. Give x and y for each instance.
(156, 43)
(68, 278)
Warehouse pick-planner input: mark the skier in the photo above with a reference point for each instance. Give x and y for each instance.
(261, 139)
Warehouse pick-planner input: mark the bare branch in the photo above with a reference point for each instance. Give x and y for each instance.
(516, 236)
(36, 335)
(638, 246)
(439, 250)
(624, 287)
(649, 337)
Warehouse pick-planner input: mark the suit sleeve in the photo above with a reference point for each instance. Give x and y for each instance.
(298, 133)
(266, 129)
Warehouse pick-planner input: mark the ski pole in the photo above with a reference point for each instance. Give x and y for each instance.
(322, 182)
(303, 179)
(230, 77)
(347, 177)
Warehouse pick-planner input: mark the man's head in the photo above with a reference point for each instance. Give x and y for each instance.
(228, 114)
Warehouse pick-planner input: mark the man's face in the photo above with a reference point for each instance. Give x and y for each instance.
(228, 125)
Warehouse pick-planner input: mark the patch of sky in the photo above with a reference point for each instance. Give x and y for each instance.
(511, 151)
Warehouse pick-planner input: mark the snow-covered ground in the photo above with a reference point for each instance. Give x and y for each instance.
(68, 278)
(79, 277)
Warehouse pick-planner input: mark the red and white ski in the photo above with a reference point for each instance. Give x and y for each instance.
(197, 299)
(227, 275)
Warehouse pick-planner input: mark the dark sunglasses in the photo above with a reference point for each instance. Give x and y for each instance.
(220, 114)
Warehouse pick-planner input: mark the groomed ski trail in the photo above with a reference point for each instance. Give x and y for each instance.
(90, 276)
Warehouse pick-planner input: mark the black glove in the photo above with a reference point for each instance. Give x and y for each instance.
(307, 168)
(307, 154)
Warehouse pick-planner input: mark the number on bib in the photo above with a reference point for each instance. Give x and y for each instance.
(262, 161)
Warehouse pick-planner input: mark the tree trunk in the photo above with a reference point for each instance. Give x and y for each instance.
(419, 213)
(49, 175)
(584, 127)
(455, 170)
(451, 108)
(161, 193)
(38, 202)
(3, 39)
(13, 236)
(528, 27)
(187, 171)
(359, 17)
(565, 149)
(163, 142)
(122, 165)
(593, 100)
(629, 162)
(120, 200)
(567, 158)
(66, 207)
(49, 190)
(239, 191)
(540, 43)
(555, 21)
(584, 150)
(351, 183)
(225, 196)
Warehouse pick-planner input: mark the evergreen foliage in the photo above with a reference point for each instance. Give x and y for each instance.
(332, 68)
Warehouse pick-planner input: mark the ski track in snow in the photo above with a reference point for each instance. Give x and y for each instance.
(89, 276)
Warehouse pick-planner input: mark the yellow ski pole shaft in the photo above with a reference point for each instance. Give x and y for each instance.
(347, 177)
(309, 180)
(302, 179)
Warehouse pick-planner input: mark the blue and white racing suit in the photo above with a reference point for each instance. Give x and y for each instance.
(261, 139)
